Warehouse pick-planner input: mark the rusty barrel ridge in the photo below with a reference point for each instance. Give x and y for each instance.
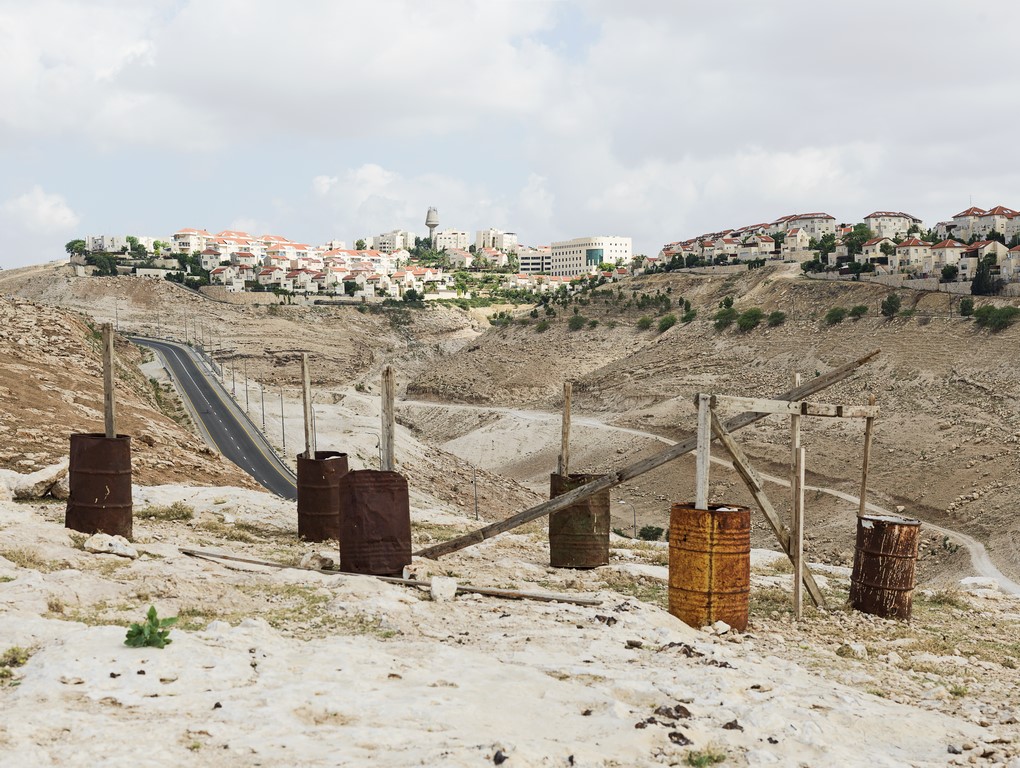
(579, 534)
(99, 481)
(710, 564)
(318, 495)
(375, 523)
(882, 582)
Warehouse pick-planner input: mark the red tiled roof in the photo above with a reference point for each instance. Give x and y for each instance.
(972, 211)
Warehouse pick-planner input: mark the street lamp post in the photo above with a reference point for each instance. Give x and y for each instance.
(632, 509)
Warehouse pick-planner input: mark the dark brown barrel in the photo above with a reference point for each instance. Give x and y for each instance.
(318, 495)
(579, 534)
(375, 523)
(882, 582)
(99, 480)
(710, 564)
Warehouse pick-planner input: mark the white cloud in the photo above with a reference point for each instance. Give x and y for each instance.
(38, 211)
(322, 184)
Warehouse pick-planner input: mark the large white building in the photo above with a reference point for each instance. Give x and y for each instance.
(583, 255)
(495, 238)
(892, 224)
(451, 238)
(535, 261)
(393, 241)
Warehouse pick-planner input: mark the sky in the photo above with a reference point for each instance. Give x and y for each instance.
(654, 119)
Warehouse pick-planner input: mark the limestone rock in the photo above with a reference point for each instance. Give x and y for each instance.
(104, 544)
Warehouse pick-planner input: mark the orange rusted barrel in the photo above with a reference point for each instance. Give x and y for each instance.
(579, 534)
(882, 582)
(99, 483)
(375, 523)
(318, 495)
(710, 564)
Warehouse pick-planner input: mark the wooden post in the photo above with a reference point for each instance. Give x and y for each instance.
(563, 466)
(704, 457)
(794, 444)
(798, 536)
(869, 424)
(388, 461)
(109, 403)
(612, 479)
(756, 487)
(306, 384)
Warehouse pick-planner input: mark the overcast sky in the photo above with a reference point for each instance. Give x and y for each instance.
(657, 119)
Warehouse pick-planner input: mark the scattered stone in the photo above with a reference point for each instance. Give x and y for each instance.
(317, 561)
(732, 725)
(499, 758)
(634, 644)
(443, 588)
(679, 739)
(954, 750)
(104, 544)
(720, 627)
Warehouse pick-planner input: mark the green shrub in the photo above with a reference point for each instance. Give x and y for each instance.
(593, 323)
(577, 322)
(151, 633)
(650, 533)
(776, 318)
(724, 318)
(644, 323)
(966, 307)
(176, 511)
(858, 311)
(891, 305)
(749, 319)
(726, 303)
(835, 315)
(689, 316)
(542, 326)
(501, 319)
(667, 322)
(996, 318)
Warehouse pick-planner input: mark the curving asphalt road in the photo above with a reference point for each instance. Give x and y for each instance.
(222, 422)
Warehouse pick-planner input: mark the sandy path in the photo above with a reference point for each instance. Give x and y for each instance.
(979, 558)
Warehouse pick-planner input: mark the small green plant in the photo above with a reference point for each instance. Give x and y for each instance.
(542, 326)
(13, 657)
(577, 322)
(966, 307)
(749, 319)
(152, 633)
(958, 690)
(726, 303)
(667, 322)
(891, 305)
(176, 511)
(650, 533)
(996, 318)
(858, 311)
(835, 315)
(593, 323)
(703, 757)
(688, 316)
(644, 323)
(776, 318)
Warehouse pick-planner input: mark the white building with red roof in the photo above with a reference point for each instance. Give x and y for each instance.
(892, 224)
(913, 255)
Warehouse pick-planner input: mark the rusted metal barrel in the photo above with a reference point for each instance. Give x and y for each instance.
(318, 495)
(710, 564)
(579, 534)
(99, 481)
(882, 582)
(375, 523)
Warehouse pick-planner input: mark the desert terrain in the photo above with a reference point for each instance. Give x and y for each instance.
(479, 409)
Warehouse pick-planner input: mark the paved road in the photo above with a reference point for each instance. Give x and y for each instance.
(223, 424)
(979, 558)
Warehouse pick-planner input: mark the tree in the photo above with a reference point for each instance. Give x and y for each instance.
(105, 263)
(949, 273)
(888, 250)
(835, 315)
(359, 245)
(984, 284)
(136, 248)
(997, 236)
(966, 306)
(855, 241)
(411, 296)
(75, 248)
(826, 245)
(891, 305)
(158, 246)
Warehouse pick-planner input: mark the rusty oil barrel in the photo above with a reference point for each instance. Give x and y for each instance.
(882, 582)
(375, 523)
(99, 482)
(318, 495)
(579, 534)
(710, 564)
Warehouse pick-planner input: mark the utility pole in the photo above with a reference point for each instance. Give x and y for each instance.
(283, 423)
(246, 385)
(233, 380)
(262, 390)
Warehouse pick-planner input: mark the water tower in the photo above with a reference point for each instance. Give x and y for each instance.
(432, 221)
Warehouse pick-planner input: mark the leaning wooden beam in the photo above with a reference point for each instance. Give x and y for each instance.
(634, 470)
(869, 426)
(510, 594)
(109, 398)
(757, 489)
(761, 405)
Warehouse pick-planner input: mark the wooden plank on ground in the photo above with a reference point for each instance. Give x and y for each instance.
(612, 479)
(801, 408)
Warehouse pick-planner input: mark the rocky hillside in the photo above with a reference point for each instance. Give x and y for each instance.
(51, 385)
